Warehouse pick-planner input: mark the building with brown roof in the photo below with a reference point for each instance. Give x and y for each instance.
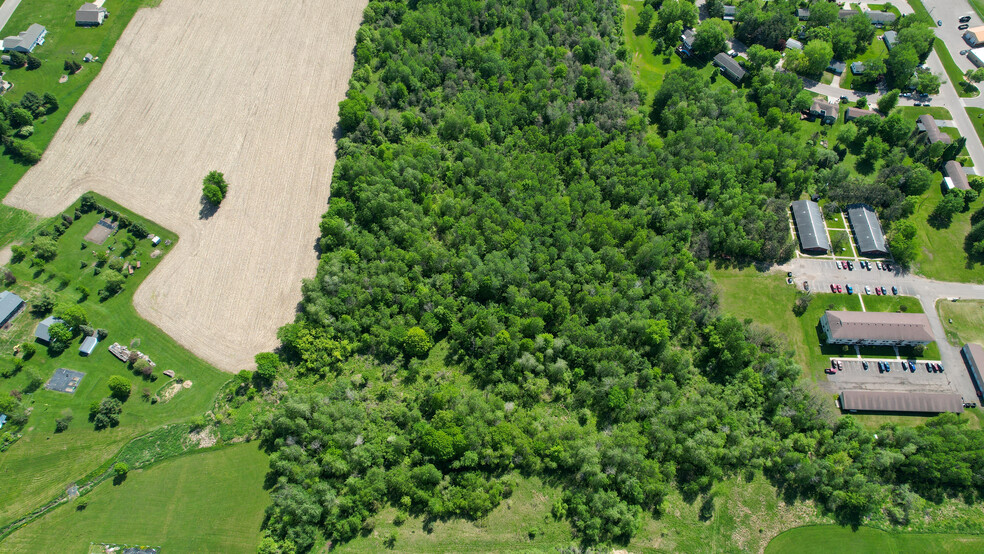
(927, 124)
(876, 328)
(955, 176)
(974, 36)
(853, 113)
(825, 111)
(909, 402)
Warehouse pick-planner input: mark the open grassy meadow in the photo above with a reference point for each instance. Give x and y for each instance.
(206, 502)
(967, 318)
(42, 463)
(834, 538)
(942, 255)
(63, 38)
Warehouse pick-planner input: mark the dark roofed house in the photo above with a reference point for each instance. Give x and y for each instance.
(26, 41)
(973, 356)
(826, 111)
(909, 402)
(810, 227)
(41, 333)
(890, 38)
(729, 13)
(955, 176)
(88, 345)
(803, 14)
(867, 229)
(853, 113)
(880, 19)
(847, 14)
(876, 328)
(731, 69)
(90, 15)
(857, 68)
(836, 67)
(10, 305)
(927, 124)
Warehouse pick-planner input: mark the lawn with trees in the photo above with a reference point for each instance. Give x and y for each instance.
(67, 436)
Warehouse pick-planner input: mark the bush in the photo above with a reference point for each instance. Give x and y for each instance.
(82, 504)
(25, 152)
(121, 468)
(17, 59)
(34, 379)
(28, 349)
(119, 387)
(101, 334)
(61, 423)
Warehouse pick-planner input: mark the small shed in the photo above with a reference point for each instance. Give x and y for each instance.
(729, 13)
(155, 241)
(88, 345)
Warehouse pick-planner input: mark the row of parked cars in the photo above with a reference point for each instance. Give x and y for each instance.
(879, 291)
(885, 367)
(865, 264)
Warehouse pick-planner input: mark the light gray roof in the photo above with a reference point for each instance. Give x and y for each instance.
(88, 345)
(9, 304)
(880, 17)
(809, 225)
(867, 229)
(974, 358)
(730, 66)
(926, 123)
(837, 67)
(42, 330)
(917, 402)
(857, 67)
(879, 326)
(89, 13)
(890, 38)
(688, 38)
(803, 13)
(829, 109)
(844, 14)
(956, 174)
(793, 43)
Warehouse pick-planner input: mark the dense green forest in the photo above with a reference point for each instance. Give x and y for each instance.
(507, 206)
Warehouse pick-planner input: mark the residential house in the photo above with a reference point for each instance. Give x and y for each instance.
(954, 176)
(803, 14)
(853, 113)
(847, 14)
(729, 67)
(90, 15)
(794, 44)
(41, 332)
(836, 67)
(825, 111)
(26, 41)
(926, 124)
(876, 328)
(687, 42)
(729, 13)
(857, 68)
(880, 19)
(891, 38)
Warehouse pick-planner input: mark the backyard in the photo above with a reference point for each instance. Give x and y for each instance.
(37, 467)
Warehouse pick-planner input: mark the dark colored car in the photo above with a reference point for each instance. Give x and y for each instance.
(895, 290)
(965, 19)
(962, 27)
(865, 365)
(912, 366)
(883, 291)
(829, 371)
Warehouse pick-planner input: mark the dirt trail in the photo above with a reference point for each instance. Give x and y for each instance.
(195, 86)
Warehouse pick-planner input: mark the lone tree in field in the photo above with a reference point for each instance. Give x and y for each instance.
(214, 187)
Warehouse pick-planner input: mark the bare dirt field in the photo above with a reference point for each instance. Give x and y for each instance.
(191, 86)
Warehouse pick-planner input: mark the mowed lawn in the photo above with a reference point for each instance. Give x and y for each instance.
(205, 502)
(63, 37)
(39, 466)
(942, 255)
(822, 539)
(968, 321)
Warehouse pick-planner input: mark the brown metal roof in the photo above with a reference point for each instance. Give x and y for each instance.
(933, 132)
(854, 113)
(956, 174)
(882, 401)
(888, 326)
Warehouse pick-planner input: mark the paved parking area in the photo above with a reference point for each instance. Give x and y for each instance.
(950, 12)
(855, 377)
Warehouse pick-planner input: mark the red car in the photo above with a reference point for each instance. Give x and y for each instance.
(829, 371)
(839, 289)
(877, 291)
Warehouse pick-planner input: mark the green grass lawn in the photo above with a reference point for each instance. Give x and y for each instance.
(892, 303)
(964, 89)
(875, 50)
(38, 466)
(205, 502)
(58, 16)
(912, 113)
(942, 255)
(834, 538)
(968, 321)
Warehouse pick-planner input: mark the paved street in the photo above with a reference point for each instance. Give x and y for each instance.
(6, 10)
(820, 273)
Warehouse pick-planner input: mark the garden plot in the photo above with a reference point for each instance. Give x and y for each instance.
(162, 118)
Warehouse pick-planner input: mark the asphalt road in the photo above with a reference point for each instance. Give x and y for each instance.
(7, 10)
(820, 273)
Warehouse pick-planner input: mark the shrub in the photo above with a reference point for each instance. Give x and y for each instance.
(17, 59)
(28, 349)
(61, 423)
(25, 152)
(82, 504)
(43, 303)
(34, 380)
(121, 468)
(119, 387)
(101, 334)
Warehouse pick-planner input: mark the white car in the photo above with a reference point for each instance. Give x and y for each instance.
(867, 290)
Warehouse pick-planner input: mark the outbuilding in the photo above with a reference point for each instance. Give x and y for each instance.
(794, 44)
(810, 227)
(891, 38)
(974, 36)
(906, 402)
(41, 332)
(88, 345)
(729, 13)
(867, 229)
(10, 305)
(876, 328)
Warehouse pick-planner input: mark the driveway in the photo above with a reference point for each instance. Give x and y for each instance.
(820, 273)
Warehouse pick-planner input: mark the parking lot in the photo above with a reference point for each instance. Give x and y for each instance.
(859, 278)
(855, 377)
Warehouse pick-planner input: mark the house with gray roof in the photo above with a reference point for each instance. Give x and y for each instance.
(729, 13)
(810, 227)
(955, 176)
(836, 67)
(857, 68)
(794, 44)
(687, 42)
(729, 67)
(891, 38)
(26, 41)
(88, 345)
(10, 305)
(847, 14)
(90, 15)
(825, 111)
(867, 230)
(876, 328)
(927, 124)
(880, 19)
(803, 14)
(41, 332)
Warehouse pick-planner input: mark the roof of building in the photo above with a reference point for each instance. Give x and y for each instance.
(688, 38)
(883, 401)
(880, 17)
(730, 10)
(41, 331)
(3, 420)
(974, 357)
(837, 67)
(793, 43)
(809, 225)
(857, 67)
(879, 326)
(925, 122)
(977, 33)
(867, 229)
(803, 13)
(88, 345)
(955, 172)
(89, 13)
(854, 113)
(890, 38)
(9, 304)
(844, 14)
(729, 66)
(828, 108)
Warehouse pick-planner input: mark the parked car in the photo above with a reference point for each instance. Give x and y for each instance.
(964, 52)
(840, 364)
(867, 289)
(806, 286)
(883, 292)
(829, 371)
(850, 266)
(939, 22)
(864, 365)
(895, 290)
(845, 99)
(878, 265)
(917, 104)
(888, 267)
(839, 289)
(833, 287)
(965, 19)
(912, 365)
(850, 289)
(962, 27)
(939, 367)
(877, 291)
